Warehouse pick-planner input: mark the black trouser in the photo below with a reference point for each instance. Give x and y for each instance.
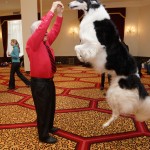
(44, 96)
(139, 65)
(15, 68)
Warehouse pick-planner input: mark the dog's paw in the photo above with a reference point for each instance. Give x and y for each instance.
(105, 125)
(78, 52)
(81, 53)
(77, 48)
(80, 58)
(87, 54)
(91, 53)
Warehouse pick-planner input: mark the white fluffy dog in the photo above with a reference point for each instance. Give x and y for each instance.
(101, 46)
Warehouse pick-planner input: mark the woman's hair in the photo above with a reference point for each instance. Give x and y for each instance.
(16, 43)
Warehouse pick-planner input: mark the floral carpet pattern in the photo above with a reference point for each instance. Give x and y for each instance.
(81, 109)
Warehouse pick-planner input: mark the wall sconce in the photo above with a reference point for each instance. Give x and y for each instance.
(74, 30)
(131, 29)
(0, 34)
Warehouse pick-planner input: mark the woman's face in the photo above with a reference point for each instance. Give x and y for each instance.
(12, 43)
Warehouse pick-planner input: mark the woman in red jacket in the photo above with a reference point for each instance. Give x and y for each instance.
(42, 70)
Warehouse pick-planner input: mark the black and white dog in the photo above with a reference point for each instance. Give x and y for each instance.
(101, 46)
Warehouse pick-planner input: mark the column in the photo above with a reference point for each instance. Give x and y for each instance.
(29, 14)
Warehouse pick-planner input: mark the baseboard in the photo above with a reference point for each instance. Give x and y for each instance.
(73, 60)
(141, 59)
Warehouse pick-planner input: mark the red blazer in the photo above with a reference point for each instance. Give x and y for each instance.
(40, 65)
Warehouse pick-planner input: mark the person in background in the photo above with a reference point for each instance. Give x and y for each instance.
(42, 70)
(15, 67)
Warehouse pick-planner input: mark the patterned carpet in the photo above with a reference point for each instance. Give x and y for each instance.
(81, 110)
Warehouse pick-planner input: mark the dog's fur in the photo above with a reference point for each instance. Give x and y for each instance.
(101, 46)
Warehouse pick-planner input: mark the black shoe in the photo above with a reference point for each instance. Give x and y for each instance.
(9, 88)
(53, 130)
(48, 139)
(28, 85)
(101, 88)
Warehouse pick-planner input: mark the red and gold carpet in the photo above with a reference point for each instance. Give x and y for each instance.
(81, 110)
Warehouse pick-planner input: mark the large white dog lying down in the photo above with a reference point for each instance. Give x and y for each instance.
(101, 46)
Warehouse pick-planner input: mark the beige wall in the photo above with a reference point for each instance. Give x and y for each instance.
(138, 42)
(144, 32)
(131, 39)
(1, 44)
(65, 42)
(28, 17)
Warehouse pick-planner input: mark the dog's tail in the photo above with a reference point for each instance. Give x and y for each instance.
(132, 82)
(143, 113)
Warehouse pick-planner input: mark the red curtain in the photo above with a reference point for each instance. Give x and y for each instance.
(118, 17)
